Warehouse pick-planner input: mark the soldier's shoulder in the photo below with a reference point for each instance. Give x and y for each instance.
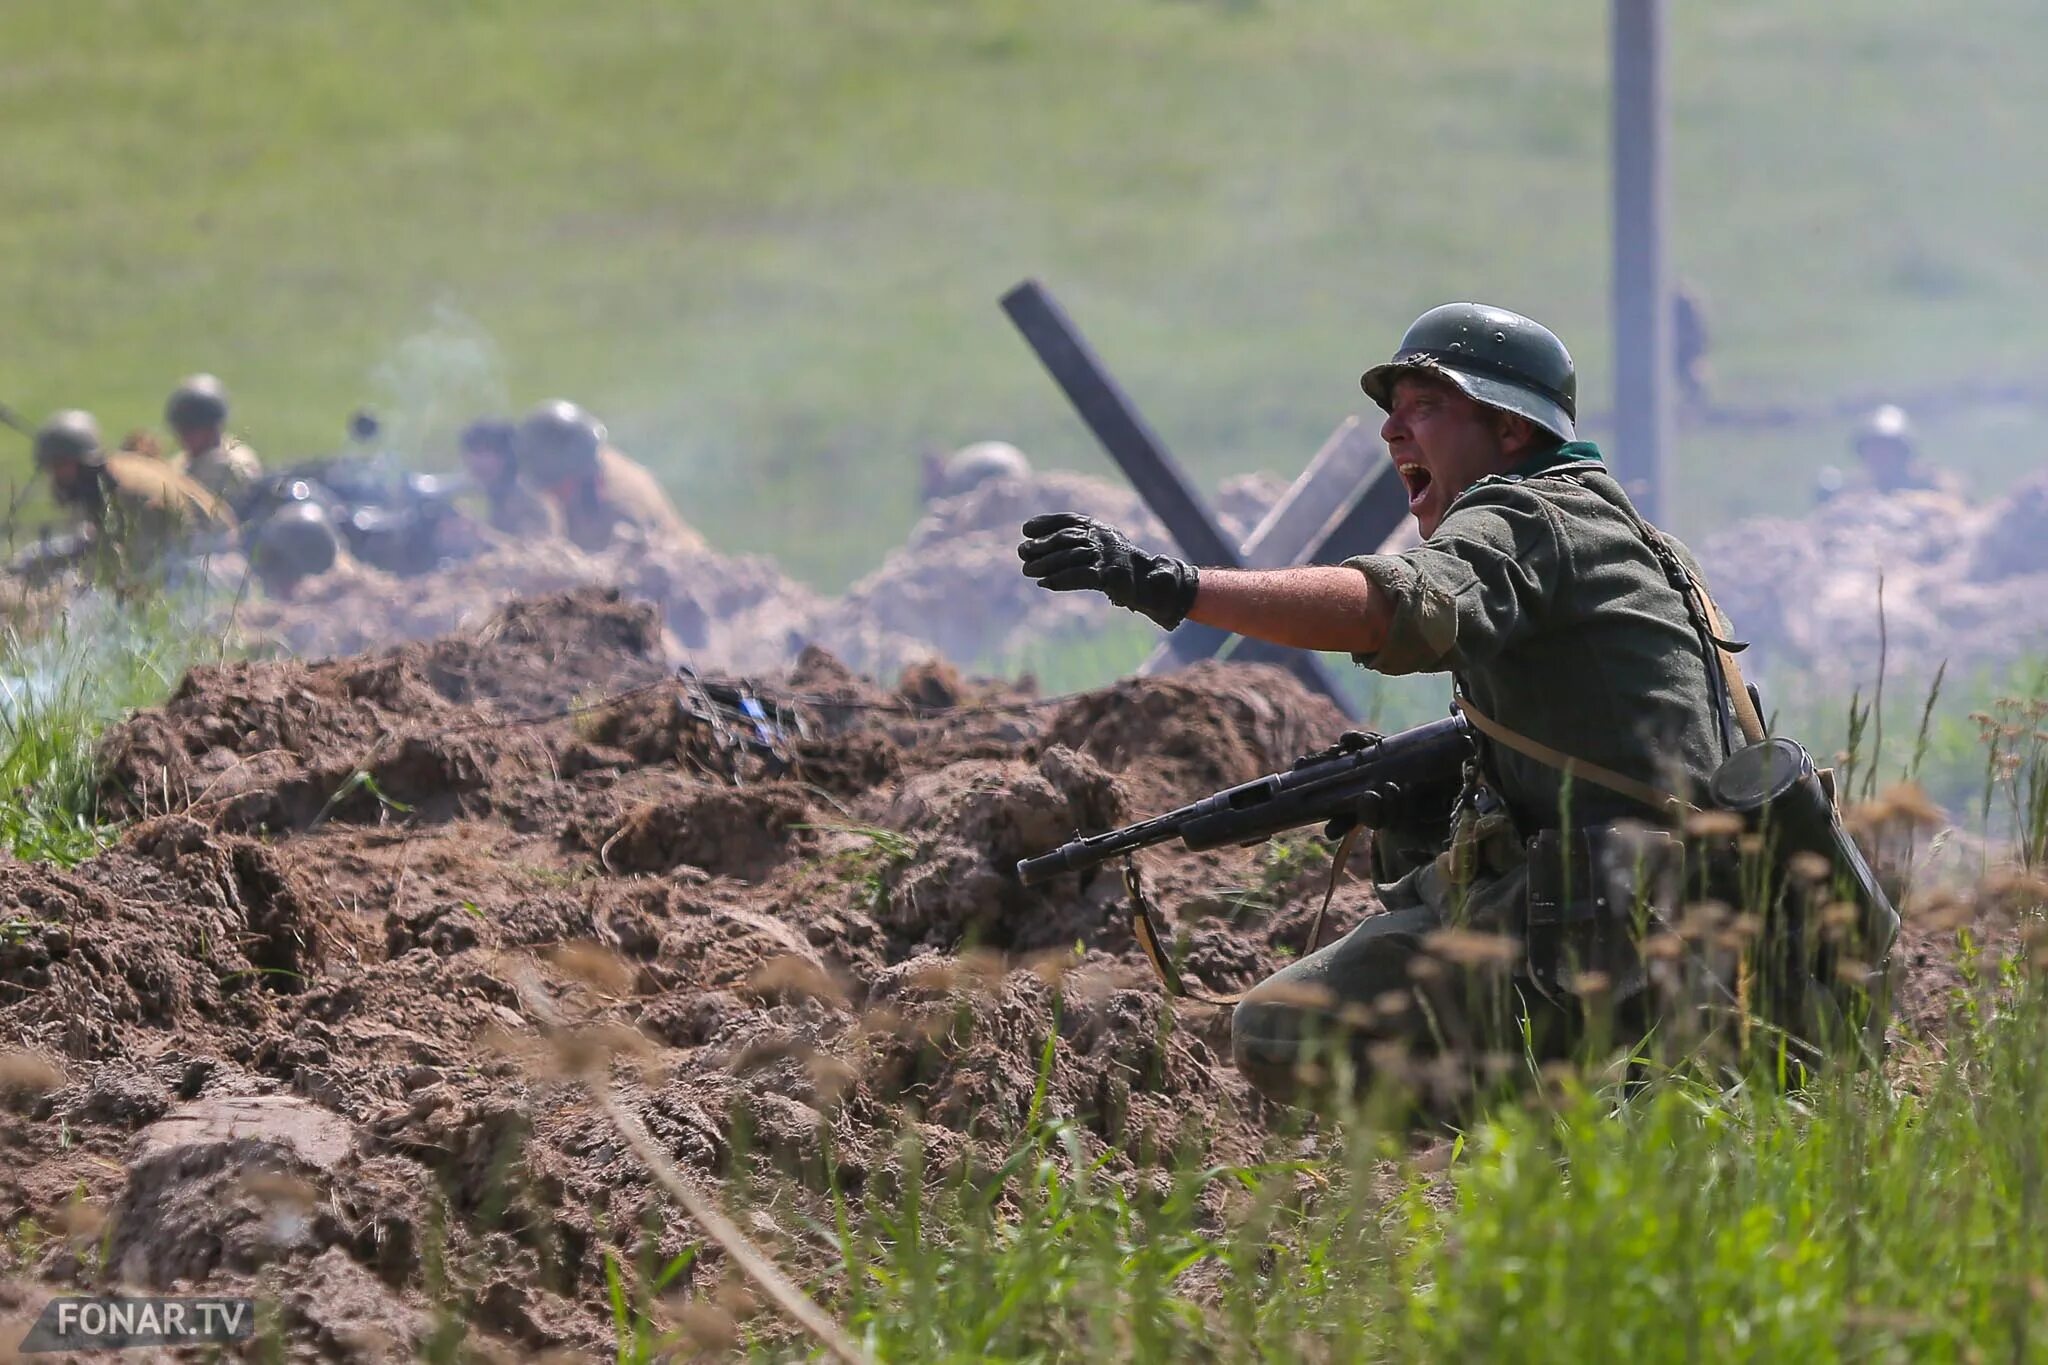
(613, 461)
(128, 470)
(159, 483)
(1531, 495)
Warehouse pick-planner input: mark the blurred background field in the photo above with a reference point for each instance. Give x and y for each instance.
(765, 239)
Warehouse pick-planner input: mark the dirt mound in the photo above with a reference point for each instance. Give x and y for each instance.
(729, 613)
(770, 907)
(322, 1065)
(1212, 726)
(742, 833)
(953, 587)
(973, 822)
(1961, 582)
(281, 745)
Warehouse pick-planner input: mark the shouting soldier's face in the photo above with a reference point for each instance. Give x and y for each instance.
(1442, 442)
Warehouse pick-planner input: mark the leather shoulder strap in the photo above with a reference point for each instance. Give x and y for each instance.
(1578, 769)
(1712, 625)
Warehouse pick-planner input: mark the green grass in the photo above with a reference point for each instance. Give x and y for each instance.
(59, 687)
(765, 239)
(1862, 1220)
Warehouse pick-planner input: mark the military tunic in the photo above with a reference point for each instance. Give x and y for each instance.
(624, 501)
(517, 510)
(1539, 595)
(144, 509)
(223, 469)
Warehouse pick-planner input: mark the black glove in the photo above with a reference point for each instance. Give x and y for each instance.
(1066, 551)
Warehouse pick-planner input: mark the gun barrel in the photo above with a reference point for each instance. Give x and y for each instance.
(1419, 765)
(1079, 855)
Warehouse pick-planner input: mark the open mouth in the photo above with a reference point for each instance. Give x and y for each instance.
(1417, 479)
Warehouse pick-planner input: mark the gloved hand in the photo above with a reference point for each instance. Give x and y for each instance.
(1066, 551)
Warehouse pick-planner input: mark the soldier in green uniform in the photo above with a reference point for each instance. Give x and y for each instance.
(1888, 460)
(514, 507)
(604, 498)
(197, 414)
(133, 509)
(1571, 637)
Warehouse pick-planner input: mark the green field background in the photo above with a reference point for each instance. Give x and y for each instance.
(764, 238)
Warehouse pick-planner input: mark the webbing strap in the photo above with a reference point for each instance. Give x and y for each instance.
(1575, 768)
(1713, 626)
(1746, 718)
(1146, 929)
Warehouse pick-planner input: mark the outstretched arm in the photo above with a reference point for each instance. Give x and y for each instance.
(1311, 606)
(1308, 607)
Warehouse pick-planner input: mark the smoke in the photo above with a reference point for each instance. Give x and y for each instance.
(437, 380)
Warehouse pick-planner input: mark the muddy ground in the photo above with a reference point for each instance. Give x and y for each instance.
(287, 1036)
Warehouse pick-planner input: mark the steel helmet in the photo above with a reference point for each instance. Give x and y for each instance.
(69, 435)
(295, 541)
(200, 401)
(1498, 358)
(1886, 423)
(558, 440)
(971, 466)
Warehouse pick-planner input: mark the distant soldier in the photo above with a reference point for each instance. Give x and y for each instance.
(515, 508)
(294, 542)
(971, 466)
(1888, 458)
(605, 499)
(197, 413)
(1689, 346)
(134, 509)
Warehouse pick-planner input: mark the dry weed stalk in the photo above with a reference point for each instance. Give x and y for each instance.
(752, 1262)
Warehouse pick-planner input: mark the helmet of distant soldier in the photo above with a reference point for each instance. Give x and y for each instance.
(1495, 357)
(558, 441)
(1886, 427)
(488, 436)
(72, 434)
(971, 466)
(295, 541)
(199, 402)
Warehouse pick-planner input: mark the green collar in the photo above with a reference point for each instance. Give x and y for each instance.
(1571, 452)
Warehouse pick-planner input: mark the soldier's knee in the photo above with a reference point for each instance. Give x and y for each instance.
(1284, 1035)
(1265, 1045)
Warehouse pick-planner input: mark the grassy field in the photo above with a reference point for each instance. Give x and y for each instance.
(766, 239)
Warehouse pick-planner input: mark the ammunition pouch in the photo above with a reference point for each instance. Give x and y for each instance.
(1591, 892)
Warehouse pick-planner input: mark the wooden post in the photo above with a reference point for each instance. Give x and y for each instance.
(1642, 279)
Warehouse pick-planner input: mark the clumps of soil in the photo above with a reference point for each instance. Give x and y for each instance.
(744, 833)
(421, 729)
(348, 879)
(1963, 582)
(974, 821)
(1210, 727)
(794, 951)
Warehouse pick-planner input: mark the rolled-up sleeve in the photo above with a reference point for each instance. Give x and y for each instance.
(1472, 589)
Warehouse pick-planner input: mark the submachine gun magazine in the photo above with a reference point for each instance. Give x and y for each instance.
(1401, 779)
